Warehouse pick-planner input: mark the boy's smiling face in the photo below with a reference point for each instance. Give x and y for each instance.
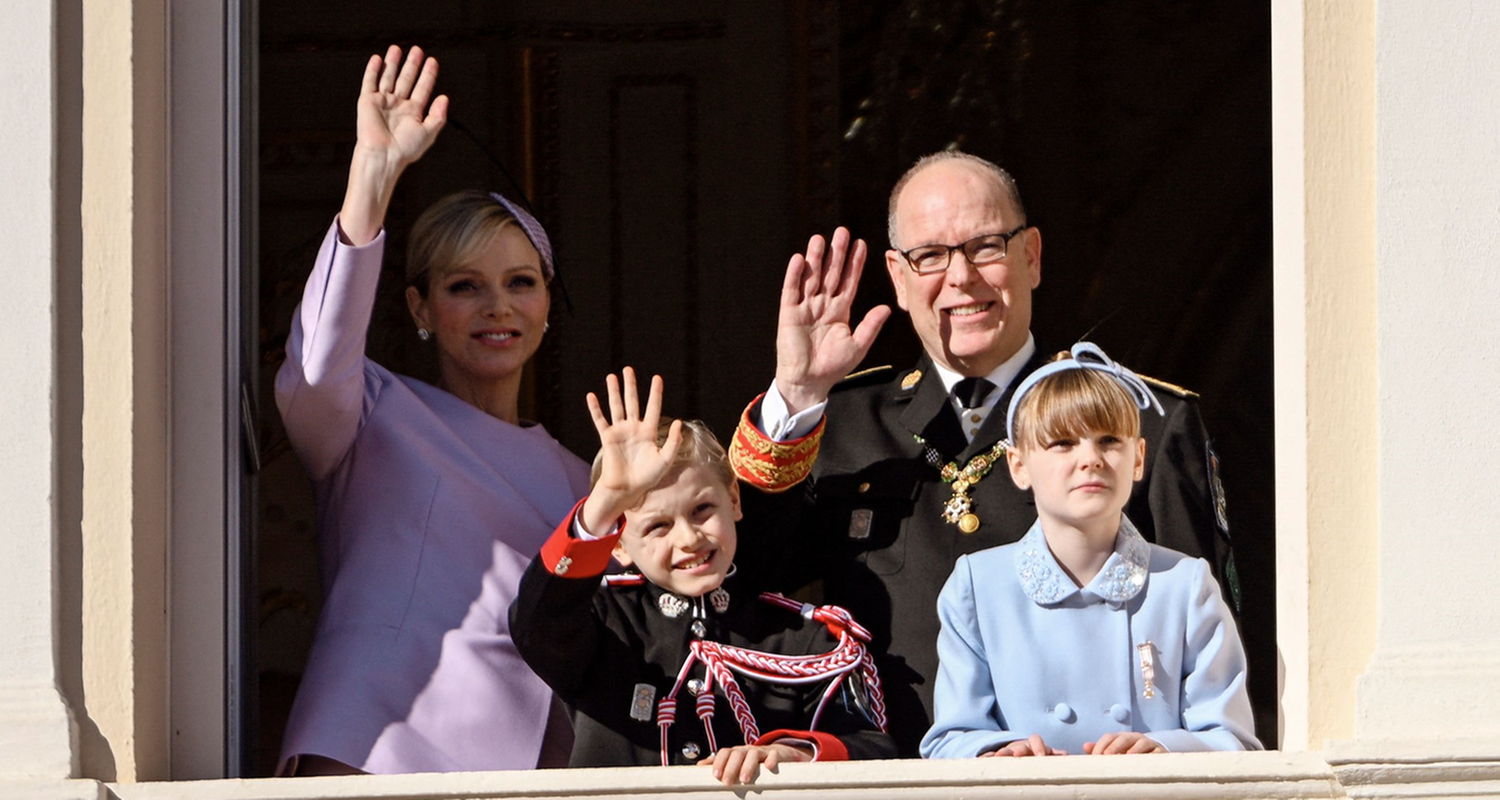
(682, 536)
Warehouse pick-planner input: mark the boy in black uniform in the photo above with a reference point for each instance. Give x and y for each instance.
(679, 638)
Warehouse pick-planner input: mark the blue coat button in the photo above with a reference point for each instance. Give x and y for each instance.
(1120, 713)
(1063, 712)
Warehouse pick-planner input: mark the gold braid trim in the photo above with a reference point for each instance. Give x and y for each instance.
(770, 465)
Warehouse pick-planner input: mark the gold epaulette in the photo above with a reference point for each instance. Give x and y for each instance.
(1170, 387)
(770, 465)
(865, 373)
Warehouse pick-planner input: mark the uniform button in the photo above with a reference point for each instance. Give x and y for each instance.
(698, 628)
(1120, 713)
(690, 751)
(562, 565)
(864, 487)
(974, 418)
(695, 686)
(1063, 712)
(973, 431)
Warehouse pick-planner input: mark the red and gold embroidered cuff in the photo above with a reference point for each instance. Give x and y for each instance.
(568, 557)
(826, 746)
(770, 465)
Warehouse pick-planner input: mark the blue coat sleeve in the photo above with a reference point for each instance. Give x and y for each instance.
(1215, 706)
(966, 715)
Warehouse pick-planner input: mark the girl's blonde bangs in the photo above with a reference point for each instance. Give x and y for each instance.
(1071, 403)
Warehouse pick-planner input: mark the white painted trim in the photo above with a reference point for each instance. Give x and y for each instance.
(1289, 279)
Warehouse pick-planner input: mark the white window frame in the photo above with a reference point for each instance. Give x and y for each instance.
(210, 228)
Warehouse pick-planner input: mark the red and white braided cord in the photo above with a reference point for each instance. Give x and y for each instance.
(722, 661)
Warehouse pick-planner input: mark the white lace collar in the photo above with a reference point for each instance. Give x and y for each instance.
(1122, 577)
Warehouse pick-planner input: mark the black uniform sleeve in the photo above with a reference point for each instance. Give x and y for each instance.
(555, 629)
(1183, 504)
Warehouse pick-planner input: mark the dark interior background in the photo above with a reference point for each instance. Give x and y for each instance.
(680, 152)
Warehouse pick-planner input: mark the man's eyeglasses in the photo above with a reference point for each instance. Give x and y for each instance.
(981, 250)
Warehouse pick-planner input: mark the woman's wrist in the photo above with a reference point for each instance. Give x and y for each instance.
(372, 181)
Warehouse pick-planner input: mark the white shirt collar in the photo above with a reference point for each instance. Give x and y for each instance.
(1001, 376)
(1122, 577)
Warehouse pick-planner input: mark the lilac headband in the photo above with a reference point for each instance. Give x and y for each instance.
(533, 230)
(1086, 355)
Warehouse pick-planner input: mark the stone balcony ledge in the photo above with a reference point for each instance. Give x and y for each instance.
(1439, 769)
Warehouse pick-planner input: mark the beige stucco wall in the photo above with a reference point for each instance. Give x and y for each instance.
(123, 541)
(1327, 444)
(1343, 445)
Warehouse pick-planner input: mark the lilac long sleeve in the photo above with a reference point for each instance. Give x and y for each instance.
(320, 387)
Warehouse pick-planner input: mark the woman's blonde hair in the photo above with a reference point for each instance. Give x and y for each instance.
(450, 232)
(1072, 402)
(698, 448)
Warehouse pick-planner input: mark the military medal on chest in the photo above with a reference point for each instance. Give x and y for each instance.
(959, 510)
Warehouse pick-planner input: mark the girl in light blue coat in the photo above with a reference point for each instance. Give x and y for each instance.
(1083, 637)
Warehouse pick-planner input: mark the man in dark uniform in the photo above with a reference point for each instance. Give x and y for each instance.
(910, 472)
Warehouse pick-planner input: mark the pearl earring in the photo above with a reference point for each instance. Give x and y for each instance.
(424, 334)
(546, 326)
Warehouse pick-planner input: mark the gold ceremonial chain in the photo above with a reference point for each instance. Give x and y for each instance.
(959, 510)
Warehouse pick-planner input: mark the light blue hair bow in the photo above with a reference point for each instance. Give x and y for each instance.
(1086, 355)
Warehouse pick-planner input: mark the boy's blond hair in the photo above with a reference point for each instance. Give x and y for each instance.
(699, 448)
(1072, 402)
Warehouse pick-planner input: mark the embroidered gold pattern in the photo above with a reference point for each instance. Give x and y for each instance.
(768, 464)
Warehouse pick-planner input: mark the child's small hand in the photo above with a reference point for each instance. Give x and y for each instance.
(741, 764)
(631, 463)
(1030, 746)
(1123, 742)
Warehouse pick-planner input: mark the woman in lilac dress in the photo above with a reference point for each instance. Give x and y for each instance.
(431, 499)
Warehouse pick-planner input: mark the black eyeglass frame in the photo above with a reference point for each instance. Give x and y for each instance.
(966, 247)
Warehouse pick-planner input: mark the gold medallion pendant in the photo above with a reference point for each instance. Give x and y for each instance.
(959, 510)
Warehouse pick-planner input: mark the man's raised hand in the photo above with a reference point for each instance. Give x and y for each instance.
(815, 347)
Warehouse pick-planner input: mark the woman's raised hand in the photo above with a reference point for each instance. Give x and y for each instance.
(395, 120)
(631, 463)
(815, 347)
(398, 119)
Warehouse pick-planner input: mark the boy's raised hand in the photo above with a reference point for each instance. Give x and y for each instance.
(631, 463)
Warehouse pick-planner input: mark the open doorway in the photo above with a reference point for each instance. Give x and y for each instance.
(679, 153)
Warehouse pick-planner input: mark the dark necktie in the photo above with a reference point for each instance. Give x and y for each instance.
(972, 391)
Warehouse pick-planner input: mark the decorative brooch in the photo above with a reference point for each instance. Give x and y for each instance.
(672, 605)
(1148, 669)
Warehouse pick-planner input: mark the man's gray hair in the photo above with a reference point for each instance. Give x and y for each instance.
(1002, 178)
